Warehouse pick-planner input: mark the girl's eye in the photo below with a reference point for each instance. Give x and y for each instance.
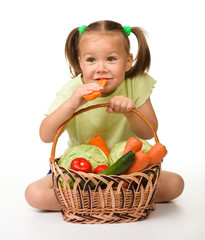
(111, 59)
(90, 60)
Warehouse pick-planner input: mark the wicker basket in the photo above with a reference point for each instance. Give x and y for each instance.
(109, 202)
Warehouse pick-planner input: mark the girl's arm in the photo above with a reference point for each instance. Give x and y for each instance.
(138, 125)
(121, 104)
(53, 121)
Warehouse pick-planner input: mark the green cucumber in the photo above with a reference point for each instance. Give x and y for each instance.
(121, 165)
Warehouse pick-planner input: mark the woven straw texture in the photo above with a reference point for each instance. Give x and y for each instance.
(91, 198)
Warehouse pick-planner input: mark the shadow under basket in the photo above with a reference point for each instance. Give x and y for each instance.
(91, 198)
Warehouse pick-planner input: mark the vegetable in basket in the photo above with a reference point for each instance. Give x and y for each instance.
(141, 161)
(157, 153)
(100, 143)
(100, 168)
(81, 164)
(144, 160)
(121, 165)
(118, 150)
(91, 153)
(132, 144)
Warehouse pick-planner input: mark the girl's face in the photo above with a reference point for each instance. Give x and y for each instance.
(103, 55)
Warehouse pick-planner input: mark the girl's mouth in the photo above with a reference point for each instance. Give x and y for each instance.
(108, 79)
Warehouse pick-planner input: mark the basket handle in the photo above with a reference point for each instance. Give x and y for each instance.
(62, 127)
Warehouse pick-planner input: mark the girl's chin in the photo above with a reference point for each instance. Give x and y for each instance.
(106, 94)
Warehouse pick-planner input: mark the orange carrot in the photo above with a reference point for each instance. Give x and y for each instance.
(100, 143)
(141, 161)
(157, 153)
(92, 96)
(133, 144)
(96, 94)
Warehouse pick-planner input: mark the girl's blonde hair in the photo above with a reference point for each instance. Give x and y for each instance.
(143, 58)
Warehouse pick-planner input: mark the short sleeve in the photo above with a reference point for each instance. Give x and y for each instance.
(64, 93)
(60, 99)
(142, 88)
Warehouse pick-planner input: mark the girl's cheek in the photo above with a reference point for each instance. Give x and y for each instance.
(88, 71)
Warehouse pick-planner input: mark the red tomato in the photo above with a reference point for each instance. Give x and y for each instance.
(100, 168)
(81, 164)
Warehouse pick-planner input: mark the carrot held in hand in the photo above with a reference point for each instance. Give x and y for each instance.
(157, 153)
(100, 143)
(133, 144)
(94, 95)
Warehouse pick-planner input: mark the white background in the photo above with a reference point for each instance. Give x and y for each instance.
(33, 69)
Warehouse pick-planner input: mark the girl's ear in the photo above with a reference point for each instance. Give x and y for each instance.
(129, 62)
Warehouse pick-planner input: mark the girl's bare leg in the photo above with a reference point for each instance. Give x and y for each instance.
(170, 186)
(40, 195)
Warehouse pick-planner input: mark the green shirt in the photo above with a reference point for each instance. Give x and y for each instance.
(112, 127)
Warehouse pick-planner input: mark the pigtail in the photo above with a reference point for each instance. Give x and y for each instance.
(143, 58)
(71, 52)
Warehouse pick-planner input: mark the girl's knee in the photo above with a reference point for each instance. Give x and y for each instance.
(177, 185)
(33, 195)
(170, 186)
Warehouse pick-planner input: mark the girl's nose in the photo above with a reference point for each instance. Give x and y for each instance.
(101, 67)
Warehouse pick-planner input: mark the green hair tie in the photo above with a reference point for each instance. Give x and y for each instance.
(127, 30)
(81, 29)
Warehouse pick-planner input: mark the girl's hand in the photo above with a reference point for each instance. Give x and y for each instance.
(120, 104)
(77, 99)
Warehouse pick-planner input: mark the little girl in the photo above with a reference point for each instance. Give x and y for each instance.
(102, 50)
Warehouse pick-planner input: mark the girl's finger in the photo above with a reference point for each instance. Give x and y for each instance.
(130, 106)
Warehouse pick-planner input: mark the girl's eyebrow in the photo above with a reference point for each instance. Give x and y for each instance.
(109, 53)
(88, 53)
(114, 52)
(91, 54)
